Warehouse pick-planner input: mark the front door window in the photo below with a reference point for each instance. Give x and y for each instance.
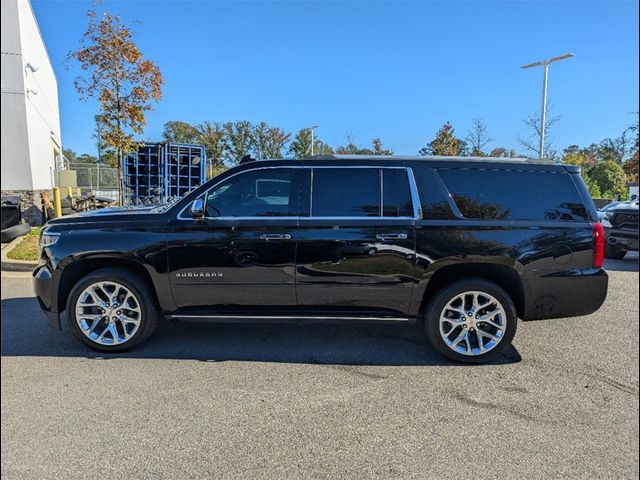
(256, 193)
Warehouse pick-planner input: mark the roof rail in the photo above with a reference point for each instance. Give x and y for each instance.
(437, 158)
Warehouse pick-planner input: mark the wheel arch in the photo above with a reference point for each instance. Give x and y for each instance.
(504, 276)
(77, 269)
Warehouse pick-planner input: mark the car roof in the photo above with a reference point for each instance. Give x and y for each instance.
(433, 161)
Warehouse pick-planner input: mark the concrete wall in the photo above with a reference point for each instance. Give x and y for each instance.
(43, 118)
(30, 117)
(14, 144)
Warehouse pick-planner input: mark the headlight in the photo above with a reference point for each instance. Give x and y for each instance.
(48, 239)
(607, 216)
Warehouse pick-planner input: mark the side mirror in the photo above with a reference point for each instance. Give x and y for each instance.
(197, 208)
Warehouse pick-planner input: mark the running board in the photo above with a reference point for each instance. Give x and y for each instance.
(288, 318)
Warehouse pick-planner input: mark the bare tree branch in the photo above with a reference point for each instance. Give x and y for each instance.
(478, 137)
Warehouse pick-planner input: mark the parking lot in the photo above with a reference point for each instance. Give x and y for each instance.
(324, 401)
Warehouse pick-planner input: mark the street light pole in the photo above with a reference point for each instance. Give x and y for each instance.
(312, 128)
(543, 116)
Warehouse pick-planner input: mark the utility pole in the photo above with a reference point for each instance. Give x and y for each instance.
(543, 116)
(312, 128)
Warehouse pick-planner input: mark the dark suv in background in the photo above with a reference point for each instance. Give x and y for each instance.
(621, 229)
(463, 246)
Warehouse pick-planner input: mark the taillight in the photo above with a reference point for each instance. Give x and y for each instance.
(598, 240)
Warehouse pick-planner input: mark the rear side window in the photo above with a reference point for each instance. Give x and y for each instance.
(345, 192)
(514, 195)
(396, 195)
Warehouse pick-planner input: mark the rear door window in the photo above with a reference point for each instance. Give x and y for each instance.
(345, 192)
(514, 195)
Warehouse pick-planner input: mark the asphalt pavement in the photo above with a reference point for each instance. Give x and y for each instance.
(321, 402)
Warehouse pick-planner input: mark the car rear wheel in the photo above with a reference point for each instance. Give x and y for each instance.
(471, 320)
(112, 310)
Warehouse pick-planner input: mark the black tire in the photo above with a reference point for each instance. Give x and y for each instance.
(11, 233)
(448, 293)
(150, 310)
(613, 252)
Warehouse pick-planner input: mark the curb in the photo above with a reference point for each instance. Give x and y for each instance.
(9, 265)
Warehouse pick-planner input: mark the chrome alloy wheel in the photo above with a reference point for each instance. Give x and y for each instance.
(108, 313)
(473, 323)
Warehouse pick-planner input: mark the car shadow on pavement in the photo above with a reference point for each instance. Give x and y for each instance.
(629, 263)
(25, 332)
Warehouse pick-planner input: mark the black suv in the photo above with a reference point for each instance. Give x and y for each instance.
(621, 229)
(464, 246)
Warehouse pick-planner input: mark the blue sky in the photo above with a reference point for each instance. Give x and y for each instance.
(395, 70)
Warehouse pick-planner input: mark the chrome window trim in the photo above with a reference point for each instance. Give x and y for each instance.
(415, 198)
(310, 195)
(381, 179)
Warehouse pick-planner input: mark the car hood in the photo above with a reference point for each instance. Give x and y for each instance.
(625, 207)
(125, 214)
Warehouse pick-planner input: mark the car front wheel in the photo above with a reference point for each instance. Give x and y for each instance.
(112, 310)
(471, 320)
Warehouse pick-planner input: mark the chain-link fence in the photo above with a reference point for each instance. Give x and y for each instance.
(98, 179)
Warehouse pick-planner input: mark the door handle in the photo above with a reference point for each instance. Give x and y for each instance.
(387, 237)
(275, 236)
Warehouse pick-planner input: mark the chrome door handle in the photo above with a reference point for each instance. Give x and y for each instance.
(275, 236)
(385, 237)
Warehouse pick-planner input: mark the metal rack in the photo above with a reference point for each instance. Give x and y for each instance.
(162, 172)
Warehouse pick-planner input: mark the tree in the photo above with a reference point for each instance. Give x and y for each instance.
(212, 136)
(631, 165)
(269, 141)
(106, 154)
(321, 148)
(574, 155)
(531, 142)
(86, 158)
(301, 144)
(69, 154)
(503, 152)
(119, 77)
(177, 131)
(610, 178)
(478, 137)
(445, 144)
(377, 148)
(352, 149)
(240, 140)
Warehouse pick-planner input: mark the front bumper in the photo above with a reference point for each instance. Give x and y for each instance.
(46, 294)
(622, 238)
(571, 293)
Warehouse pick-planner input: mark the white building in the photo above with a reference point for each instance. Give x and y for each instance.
(31, 142)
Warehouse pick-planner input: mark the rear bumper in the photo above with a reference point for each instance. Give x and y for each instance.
(570, 293)
(46, 294)
(622, 238)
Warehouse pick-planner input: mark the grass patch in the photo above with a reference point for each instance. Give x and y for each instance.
(28, 248)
